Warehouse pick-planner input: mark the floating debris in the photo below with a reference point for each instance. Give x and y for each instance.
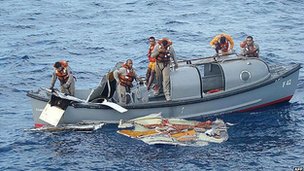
(154, 129)
(91, 126)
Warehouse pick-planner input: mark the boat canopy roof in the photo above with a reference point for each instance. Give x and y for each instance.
(223, 74)
(241, 72)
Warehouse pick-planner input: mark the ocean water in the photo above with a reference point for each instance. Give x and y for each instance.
(93, 35)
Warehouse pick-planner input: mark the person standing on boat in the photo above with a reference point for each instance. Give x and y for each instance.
(64, 74)
(151, 66)
(164, 53)
(250, 48)
(124, 77)
(223, 44)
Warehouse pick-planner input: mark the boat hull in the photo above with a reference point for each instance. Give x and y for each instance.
(279, 90)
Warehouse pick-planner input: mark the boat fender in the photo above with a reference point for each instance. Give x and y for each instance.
(213, 91)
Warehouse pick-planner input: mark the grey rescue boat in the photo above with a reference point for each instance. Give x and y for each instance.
(199, 87)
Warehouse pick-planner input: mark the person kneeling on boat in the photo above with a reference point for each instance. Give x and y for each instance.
(64, 74)
(223, 44)
(164, 53)
(250, 48)
(124, 77)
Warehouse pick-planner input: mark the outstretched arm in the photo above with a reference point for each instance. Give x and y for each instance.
(257, 48)
(70, 79)
(53, 80)
(115, 74)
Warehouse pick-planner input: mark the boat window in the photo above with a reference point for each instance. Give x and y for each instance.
(212, 77)
(245, 75)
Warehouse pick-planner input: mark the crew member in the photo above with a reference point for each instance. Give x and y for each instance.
(164, 53)
(250, 48)
(223, 44)
(151, 66)
(124, 77)
(64, 74)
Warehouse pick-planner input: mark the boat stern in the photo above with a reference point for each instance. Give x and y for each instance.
(38, 104)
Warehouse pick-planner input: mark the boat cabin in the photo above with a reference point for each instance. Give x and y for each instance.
(198, 80)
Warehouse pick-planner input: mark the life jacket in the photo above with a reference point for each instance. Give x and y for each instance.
(126, 80)
(224, 46)
(164, 57)
(151, 48)
(63, 75)
(251, 51)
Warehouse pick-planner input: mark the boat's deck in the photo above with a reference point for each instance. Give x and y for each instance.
(277, 70)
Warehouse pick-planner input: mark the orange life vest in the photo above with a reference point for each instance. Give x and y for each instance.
(225, 46)
(151, 48)
(164, 57)
(63, 75)
(126, 80)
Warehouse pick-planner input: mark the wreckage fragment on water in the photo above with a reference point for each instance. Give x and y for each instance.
(90, 126)
(153, 129)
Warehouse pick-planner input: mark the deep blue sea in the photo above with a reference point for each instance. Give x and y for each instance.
(93, 35)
